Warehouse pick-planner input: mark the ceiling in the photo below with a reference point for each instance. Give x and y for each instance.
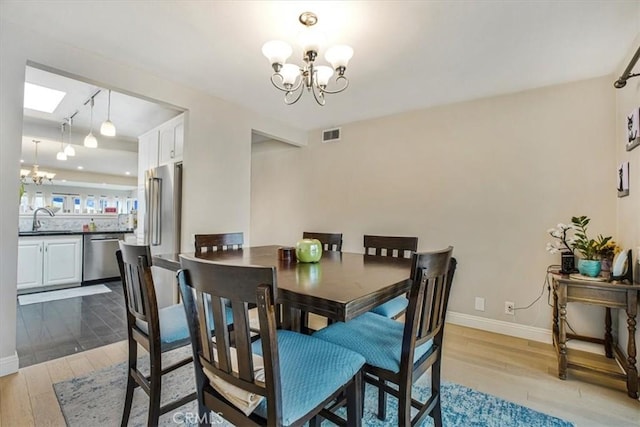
(408, 54)
(115, 155)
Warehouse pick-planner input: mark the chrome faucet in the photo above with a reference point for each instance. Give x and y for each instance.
(36, 224)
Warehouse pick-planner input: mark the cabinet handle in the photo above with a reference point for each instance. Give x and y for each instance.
(172, 154)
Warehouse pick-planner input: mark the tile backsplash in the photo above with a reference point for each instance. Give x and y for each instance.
(74, 222)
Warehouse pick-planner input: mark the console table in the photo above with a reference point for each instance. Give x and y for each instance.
(608, 295)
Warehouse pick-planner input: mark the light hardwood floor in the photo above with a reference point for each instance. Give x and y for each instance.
(515, 369)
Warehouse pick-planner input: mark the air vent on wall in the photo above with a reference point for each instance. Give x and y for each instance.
(331, 135)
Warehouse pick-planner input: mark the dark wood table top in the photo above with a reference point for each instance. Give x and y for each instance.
(341, 286)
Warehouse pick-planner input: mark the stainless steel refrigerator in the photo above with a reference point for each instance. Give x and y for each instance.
(162, 221)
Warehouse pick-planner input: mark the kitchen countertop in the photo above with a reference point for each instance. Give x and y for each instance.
(69, 232)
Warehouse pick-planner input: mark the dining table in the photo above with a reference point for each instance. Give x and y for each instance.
(340, 287)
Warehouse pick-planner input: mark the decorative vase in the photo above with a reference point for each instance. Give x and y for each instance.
(309, 250)
(568, 264)
(589, 267)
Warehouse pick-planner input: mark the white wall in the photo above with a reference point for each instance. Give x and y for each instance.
(488, 177)
(217, 151)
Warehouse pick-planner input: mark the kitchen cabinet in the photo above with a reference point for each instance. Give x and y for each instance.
(50, 261)
(147, 153)
(171, 141)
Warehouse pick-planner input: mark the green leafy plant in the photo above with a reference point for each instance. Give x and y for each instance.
(590, 249)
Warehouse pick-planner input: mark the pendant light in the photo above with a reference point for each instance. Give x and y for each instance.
(69, 150)
(61, 154)
(108, 128)
(90, 141)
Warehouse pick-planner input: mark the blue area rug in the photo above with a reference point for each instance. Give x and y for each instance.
(98, 399)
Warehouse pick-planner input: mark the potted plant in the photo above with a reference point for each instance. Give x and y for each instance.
(590, 249)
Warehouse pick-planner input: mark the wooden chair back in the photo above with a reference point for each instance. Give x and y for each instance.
(391, 246)
(205, 287)
(139, 292)
(432, 275)
(140, 297)
(218, 242)
(330, 241)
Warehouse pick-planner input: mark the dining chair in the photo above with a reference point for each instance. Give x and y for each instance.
(399, 353)
(218, 242)
(391, 246)
(284, 377)
(157, 330)
(330, 241)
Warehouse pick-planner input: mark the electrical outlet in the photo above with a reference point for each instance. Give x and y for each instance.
(479, 304)
(509, 308)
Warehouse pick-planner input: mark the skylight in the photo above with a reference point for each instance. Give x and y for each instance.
(41, 98)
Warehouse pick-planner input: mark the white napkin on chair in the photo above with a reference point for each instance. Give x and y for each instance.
(240, 398)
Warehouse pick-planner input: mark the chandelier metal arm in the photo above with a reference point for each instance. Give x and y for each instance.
(284, 88)
(291, 102)
(318, 94)
(346, 85)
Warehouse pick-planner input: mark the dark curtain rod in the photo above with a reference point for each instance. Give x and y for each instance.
(622, 81)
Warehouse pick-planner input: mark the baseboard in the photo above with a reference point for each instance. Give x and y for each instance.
(516, 330)
(9, 365)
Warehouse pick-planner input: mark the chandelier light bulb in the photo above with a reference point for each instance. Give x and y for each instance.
(310, 39)
(90, 141)
(68, 150)
(323, 74)
(61, 155)
(289, 72)
(108, 128)
(276, 51)
(339, 56)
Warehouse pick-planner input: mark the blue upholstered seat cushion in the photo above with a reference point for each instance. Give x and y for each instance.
(392, 308)
(174, 331)
(377, 338)
(310, 371)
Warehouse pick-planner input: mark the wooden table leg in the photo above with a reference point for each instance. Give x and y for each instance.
(562, 332)
(555, 311)
(632, 371)
(608, 338)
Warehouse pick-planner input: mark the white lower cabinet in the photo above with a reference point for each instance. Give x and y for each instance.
(29, 263)
(49, 262)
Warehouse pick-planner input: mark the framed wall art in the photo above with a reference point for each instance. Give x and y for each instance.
(633, 129)
(623, 179)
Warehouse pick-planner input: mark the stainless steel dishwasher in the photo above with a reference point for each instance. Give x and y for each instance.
(99, 257)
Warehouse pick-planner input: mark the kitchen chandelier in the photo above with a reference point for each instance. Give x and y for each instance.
(108, 128)
(61, 155)
(90, 141)
(69, 150)
(36, 175)
(292, 79)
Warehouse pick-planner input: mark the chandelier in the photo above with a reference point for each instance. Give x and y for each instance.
(293, 79)
(36, 175)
